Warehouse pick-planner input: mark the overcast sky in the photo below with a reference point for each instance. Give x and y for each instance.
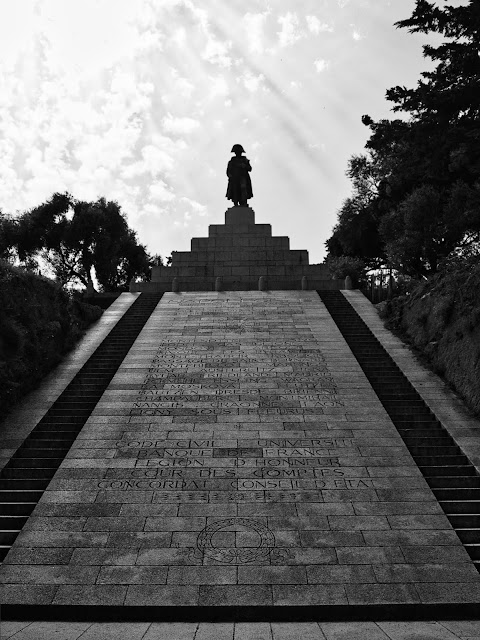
(140, 101)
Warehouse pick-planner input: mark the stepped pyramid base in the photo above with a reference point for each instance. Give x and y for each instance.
(239, 252)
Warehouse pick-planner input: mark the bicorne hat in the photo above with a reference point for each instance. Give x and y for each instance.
(237, 147)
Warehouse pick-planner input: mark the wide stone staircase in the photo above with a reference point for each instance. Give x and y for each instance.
(242, 455)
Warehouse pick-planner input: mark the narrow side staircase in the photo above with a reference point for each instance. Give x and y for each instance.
(453, 479)
(27, 474)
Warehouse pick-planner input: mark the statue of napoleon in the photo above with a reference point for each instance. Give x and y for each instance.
(239, 184)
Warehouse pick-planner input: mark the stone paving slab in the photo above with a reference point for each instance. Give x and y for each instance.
(239, 458)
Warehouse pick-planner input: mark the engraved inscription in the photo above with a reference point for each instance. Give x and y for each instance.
(257, 545)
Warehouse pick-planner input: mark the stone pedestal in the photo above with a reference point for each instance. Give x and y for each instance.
(240, 252)
(239, 215)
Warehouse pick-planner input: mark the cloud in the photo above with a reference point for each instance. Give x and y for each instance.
(141, 100)
(216, 51)
(182, 86)
(159, 191)
(321, 65)
(254, 29)
(11, 184)
(315, 26)
(289, 33)
(179, 126)
(252, 82)
(156, 160)
(197, 208)
(218, 87)
(66, 29)
(179, 36)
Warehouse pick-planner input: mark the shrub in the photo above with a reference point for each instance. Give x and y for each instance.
(39, 324)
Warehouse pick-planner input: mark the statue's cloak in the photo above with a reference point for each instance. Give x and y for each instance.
(239, 183)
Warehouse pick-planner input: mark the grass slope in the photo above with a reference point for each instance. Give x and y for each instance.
(441, 318)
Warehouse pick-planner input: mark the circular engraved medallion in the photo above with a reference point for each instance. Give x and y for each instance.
(252, 541)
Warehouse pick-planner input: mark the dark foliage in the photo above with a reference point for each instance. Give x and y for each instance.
(342, 266)
(441, 318)
(39, 323)
(76, 238)
(416, 193)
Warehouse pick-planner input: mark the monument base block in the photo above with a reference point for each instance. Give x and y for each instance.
(240, 252)
(239, 216)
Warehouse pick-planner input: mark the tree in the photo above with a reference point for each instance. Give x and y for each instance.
(344, 266)
(426, 168)
(77, 238)
(99, 235)
(356, 232)
(8, 237)
(451, 93)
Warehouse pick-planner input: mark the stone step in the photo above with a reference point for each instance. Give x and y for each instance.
(449, 482)
(433, 432)
(234, 241)
(64, 418)
(12, 523)
(10, 495)
(465, 521)
(439, 452)
(76, 404)
(57, 426)
(32, 442)
(19, 462)
(241, 256)
(436, 471)
(7, 537)
(18, 484)
(473, 551)
(240, 229)
(408, 395)
(36, 452)
(422, 423)
(17, 508)
(457, 493)
(406, 406)
(441, 440)
(25, 473)
(386, 378)
(470, 537)
(52, 434)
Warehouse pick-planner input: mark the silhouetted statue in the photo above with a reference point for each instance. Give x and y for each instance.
(239, 184)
